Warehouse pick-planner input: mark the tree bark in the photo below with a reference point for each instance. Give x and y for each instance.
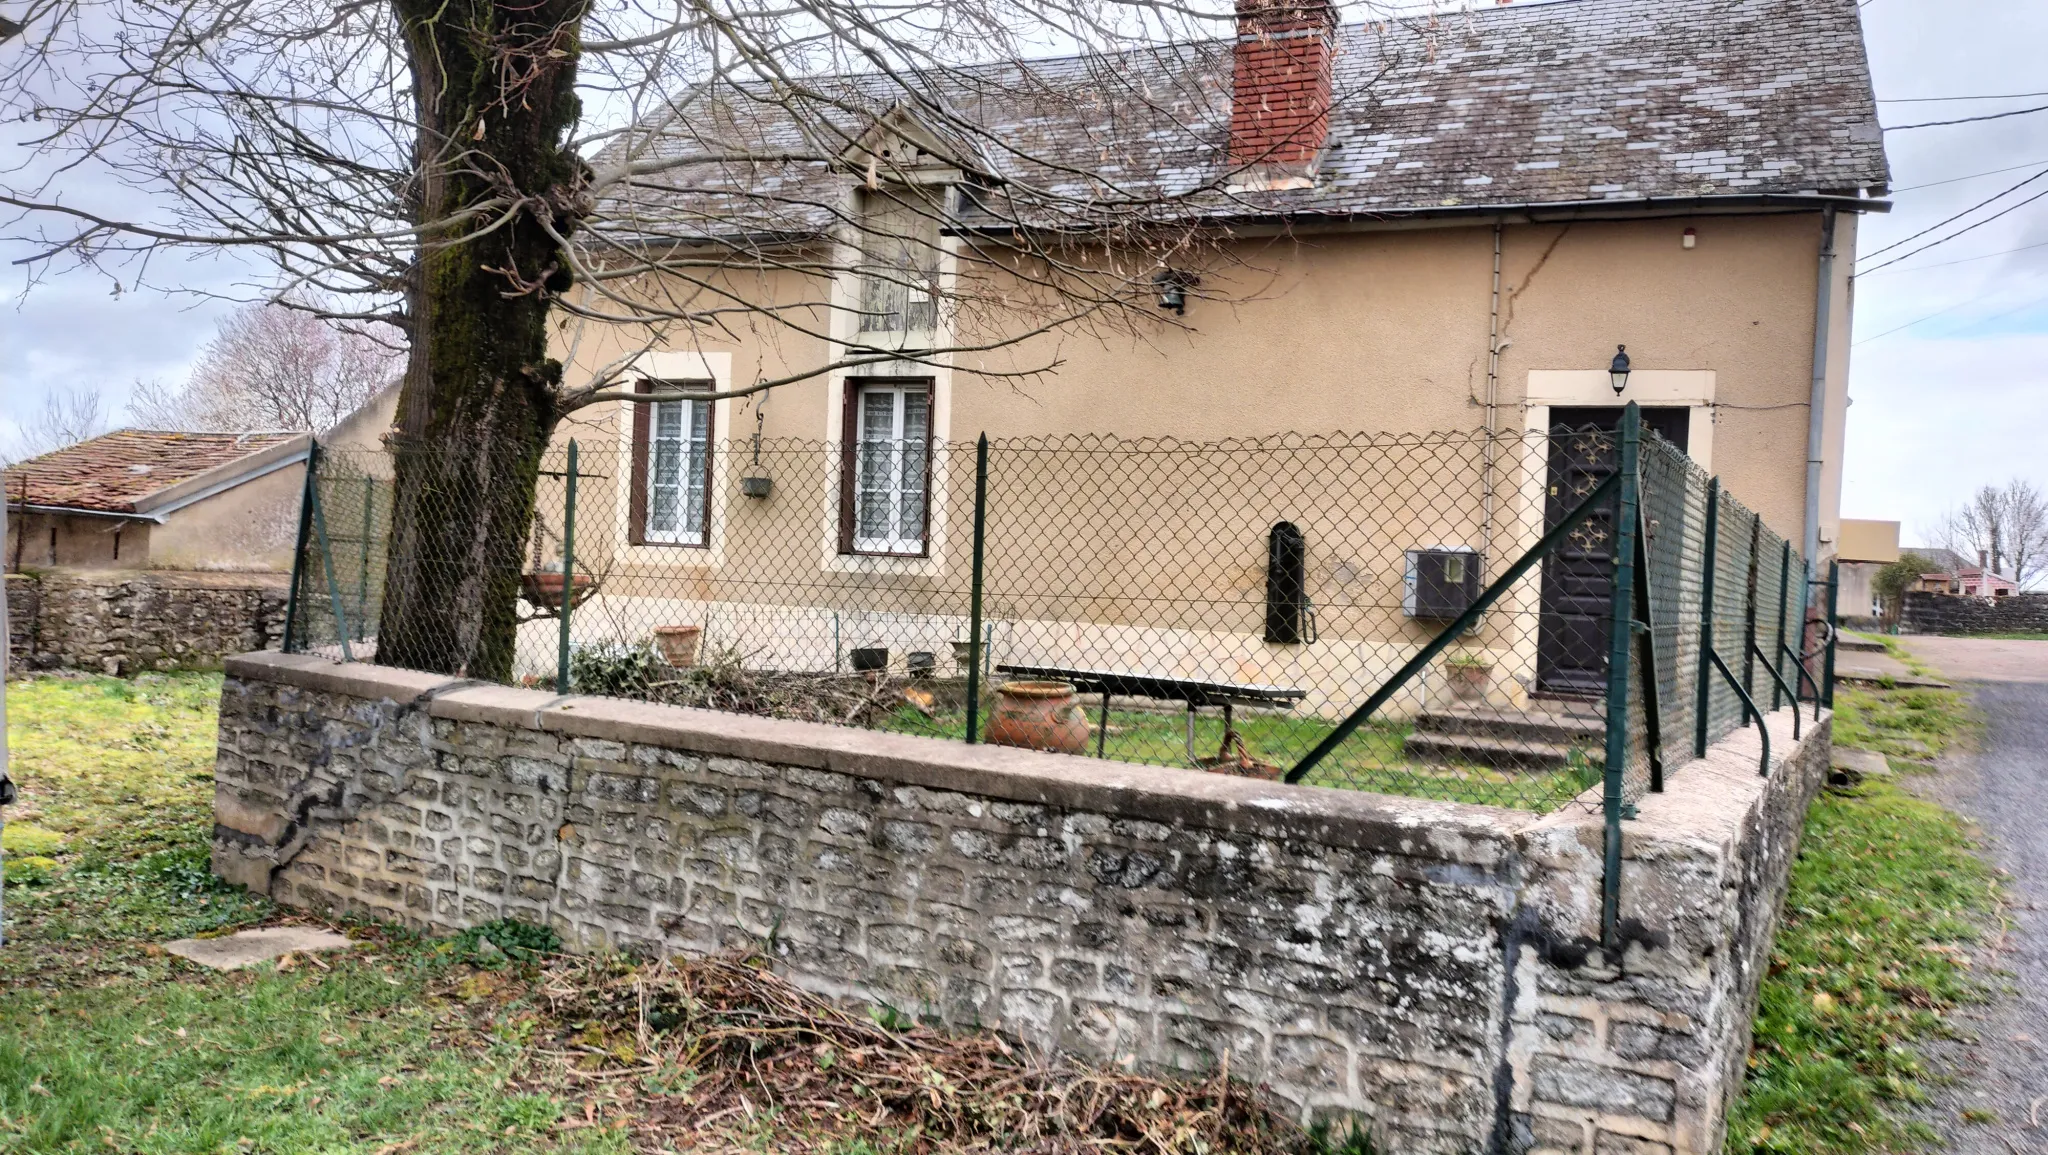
(494, 84)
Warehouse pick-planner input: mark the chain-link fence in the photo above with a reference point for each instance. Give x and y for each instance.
(1424, 615)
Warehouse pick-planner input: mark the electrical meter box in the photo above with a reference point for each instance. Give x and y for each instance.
(1442, 583)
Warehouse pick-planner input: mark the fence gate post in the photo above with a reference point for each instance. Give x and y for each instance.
(1703, 680)
(568, 574)
(1620, 632)
(974, 641)
(291, 596)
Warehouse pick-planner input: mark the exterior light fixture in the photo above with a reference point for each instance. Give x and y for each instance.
(1617, 373)
(1172, 286)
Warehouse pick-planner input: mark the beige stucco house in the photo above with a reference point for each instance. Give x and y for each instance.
(1447, 226)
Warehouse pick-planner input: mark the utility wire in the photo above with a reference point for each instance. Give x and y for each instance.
(1968, 119)
(1931, 99)
(1959, 216)
(1961, 231)
(1972, 176)
(1965, 260)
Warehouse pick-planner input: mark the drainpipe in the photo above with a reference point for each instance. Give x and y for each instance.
(1816, 411)
(1492, 403)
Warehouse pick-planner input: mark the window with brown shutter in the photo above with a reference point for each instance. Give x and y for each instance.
(670, 498)
(886, 467)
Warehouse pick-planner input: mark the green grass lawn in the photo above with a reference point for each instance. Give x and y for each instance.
(414, 1046)
(1886, 893)
(1372, 758)
(108, 1044)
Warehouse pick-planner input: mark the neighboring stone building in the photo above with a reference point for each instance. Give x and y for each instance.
(148, 499)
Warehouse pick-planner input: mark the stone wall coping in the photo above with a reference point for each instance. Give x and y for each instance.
(1446, 831)
(168, 578)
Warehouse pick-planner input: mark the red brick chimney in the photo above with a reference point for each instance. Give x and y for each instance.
(1280, 90)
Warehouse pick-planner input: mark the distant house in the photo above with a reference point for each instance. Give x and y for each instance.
(1978, 580)
(156, 499)
(1864, 548)
(145, 499)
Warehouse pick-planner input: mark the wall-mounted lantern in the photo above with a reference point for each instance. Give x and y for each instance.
(1173, 286)
(1617, 373)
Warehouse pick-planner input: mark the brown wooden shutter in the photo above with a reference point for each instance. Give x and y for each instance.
(849, 427)
(636, 504)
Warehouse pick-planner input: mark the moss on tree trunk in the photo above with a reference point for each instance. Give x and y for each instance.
(495, 88)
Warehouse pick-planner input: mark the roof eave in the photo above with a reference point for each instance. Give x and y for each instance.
(269, 459)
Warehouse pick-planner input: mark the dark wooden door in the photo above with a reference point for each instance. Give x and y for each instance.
(1578, 577)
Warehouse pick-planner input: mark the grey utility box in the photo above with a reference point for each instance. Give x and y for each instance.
(1442, 583)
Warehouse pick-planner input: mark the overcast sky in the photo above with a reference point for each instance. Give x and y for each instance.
(1949, 376)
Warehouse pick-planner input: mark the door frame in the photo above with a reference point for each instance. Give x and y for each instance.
(1549, 389)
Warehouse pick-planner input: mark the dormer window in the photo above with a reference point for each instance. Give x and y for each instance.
(899, 269)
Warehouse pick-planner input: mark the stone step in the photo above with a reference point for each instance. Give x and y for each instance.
(1859, 645)
(1492, 752)
(1555, 723)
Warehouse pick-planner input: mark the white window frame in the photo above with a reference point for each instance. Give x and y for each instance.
(696, 429)
(899, 448)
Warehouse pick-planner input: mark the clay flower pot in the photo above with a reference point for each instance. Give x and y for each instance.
(544, 589)
(1038, 716)
(677, 645)
(1469, 680)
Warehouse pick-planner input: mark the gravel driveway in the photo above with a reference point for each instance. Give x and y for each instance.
(2002, 1064)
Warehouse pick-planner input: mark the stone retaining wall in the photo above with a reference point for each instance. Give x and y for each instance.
(1433, 967)
(1925, 613)
(131, 621)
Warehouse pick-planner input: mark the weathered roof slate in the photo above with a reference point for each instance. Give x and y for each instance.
(1546, 103)
(113, 472)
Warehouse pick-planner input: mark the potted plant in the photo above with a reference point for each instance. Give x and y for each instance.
(677, 645)
(1469, 675)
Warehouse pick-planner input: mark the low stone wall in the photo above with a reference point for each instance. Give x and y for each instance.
(1430, 966)
(131, 621)
(1925, 613)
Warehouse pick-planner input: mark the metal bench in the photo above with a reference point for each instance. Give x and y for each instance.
(1193, 691)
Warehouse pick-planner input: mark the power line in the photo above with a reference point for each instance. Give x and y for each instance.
(1968, 119)
(1972, 176)
(1959, 216)
(1964, 261)
(1931, 99)
(1961, 231)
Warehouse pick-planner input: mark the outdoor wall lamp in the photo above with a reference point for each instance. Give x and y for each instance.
(1173, 286)
(1617, 373)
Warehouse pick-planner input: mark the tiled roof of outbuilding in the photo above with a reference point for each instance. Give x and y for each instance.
(111, 473)
(1546, 103)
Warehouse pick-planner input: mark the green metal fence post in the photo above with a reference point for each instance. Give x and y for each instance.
(1653, 691)
(291, 596)
(974, 640)
(568, 574)
(1620, 626)
(1827, 684)
(333, 590)
(363, 560)
(1703, 681)
(1778, 651)
(1756, 534)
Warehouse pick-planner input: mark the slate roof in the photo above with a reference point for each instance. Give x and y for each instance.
(1545, 103)
(111, 473)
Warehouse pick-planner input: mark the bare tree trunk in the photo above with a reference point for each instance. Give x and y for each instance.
(494, 81)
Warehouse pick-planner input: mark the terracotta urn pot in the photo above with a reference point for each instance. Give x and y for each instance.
(677, 645)
(1038, 716)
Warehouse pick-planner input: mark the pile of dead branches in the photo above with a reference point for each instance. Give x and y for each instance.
(724, 683)
(721, 1054)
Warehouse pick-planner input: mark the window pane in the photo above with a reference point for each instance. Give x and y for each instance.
(875, 453)
(910, 476)
(663, 474)
(697, 470)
